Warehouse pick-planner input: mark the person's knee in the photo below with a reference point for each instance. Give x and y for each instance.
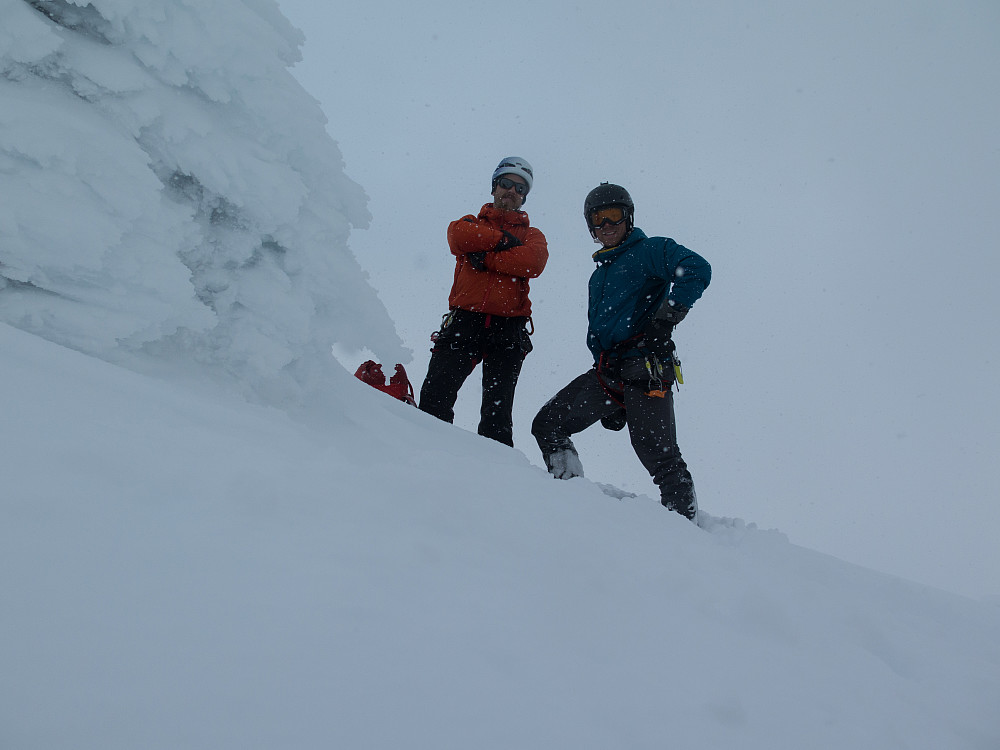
(541, 425)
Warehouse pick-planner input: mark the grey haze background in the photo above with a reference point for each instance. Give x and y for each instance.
(837, 163)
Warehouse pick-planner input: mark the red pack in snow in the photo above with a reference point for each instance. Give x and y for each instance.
(398, 386)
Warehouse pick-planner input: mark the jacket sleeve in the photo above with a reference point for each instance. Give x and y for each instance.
(470, 235)
(687, 272)
(526, 261)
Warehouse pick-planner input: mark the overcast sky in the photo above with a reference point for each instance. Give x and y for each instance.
(837, 164)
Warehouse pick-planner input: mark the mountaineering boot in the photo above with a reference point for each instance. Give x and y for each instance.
(680, 498)
(564, 464)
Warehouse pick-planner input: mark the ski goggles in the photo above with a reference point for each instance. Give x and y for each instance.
(606, 215)
(506, 183)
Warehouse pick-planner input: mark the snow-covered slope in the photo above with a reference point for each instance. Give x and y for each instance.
(229, 542)
(182, 569)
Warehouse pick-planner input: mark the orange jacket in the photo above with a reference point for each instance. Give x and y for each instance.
(502, 289)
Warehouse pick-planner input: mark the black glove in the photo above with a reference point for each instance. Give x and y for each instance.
(508, 241)
(657, 341)
(614, 422)
(670, 312)
(477, 260)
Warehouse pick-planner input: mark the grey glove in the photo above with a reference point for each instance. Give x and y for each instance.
(477, 260)
(670, 312)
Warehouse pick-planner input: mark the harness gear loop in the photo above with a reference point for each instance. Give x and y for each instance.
(678, 373)
(445, 322)
(655, 368)
(652, 363)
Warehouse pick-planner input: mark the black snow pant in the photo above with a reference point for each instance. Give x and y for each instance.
(651, 427)
(465, 340)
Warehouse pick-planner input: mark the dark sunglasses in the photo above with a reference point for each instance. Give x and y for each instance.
(506, 183)
(606, 215)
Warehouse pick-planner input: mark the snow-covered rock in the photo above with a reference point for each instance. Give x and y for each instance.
(169, 189)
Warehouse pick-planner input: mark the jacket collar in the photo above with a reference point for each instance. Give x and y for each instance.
(608, 254)
(492, 214)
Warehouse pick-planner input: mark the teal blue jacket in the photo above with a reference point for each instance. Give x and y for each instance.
(632, 280)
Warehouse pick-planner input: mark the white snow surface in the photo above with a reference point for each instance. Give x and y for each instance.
(214, 537)
(182, 569)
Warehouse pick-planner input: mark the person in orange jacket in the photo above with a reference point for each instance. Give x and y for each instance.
(496, 252)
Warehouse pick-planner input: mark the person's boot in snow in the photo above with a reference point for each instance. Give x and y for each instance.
(564, 464)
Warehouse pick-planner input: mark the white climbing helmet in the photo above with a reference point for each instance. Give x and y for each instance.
(513, 165)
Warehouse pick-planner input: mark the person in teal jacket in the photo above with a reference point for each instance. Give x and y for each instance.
(642, 287)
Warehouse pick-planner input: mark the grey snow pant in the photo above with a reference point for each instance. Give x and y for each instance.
(651, 427)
